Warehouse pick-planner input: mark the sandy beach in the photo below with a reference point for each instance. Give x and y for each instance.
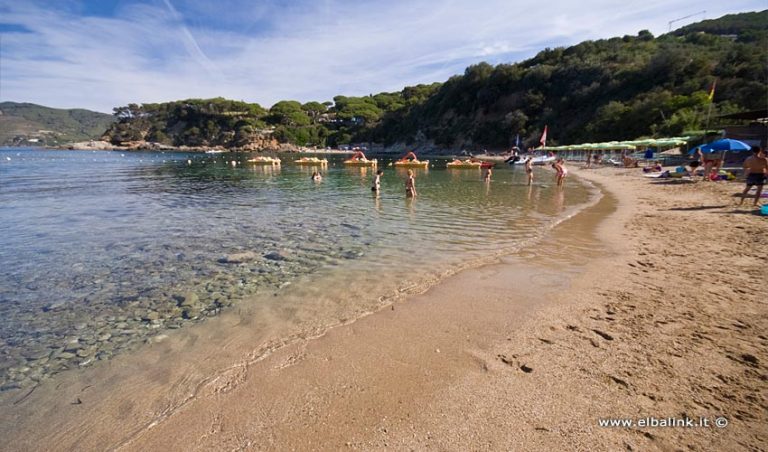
(650, 304)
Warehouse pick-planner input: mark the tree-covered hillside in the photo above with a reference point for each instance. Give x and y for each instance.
(191, 122)
(619, 88)
(22, 122)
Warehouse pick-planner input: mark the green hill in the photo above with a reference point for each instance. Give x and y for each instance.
(610, 89)
(30, 124)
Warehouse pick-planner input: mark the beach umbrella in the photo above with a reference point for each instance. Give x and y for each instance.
(726, 144)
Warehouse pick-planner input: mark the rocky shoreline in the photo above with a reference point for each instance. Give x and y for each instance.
(424, 149)
(114, 318)
(97, 145)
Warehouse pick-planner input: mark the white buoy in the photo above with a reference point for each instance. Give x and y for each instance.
(189, 162)
(234, 163)
(8, 158)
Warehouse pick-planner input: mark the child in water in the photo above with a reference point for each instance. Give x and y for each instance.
(410, 185)
(316, 176)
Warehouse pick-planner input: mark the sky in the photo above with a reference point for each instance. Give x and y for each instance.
(100, 54)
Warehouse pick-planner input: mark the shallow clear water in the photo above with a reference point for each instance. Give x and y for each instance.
(100, 250)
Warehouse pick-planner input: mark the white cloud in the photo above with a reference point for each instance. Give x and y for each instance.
(309, 51)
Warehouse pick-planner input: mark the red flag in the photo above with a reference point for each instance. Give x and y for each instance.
(543, 139)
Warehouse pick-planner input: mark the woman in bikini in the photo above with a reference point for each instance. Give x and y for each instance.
(410, 185)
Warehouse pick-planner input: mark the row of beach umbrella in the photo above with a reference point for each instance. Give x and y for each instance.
(622, 145)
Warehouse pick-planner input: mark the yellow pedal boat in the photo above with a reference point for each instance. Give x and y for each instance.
(411, 161)
(311, 161)
(465, 164)
(358, 159)
(264, 161)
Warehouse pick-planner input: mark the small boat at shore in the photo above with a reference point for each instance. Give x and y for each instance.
(359, 159)
(265, 161)
(311, 161)
(540, 160)
(215, 151)
(411, 161)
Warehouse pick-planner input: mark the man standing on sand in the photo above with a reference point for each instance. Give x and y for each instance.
(756, 170)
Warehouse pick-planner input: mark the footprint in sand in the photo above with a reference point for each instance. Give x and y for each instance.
(605, 336)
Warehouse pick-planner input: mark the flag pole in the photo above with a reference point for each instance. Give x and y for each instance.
(711, 101)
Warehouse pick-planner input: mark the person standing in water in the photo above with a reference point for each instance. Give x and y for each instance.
(561, 170)
(488, 173)
(529, 169)
(410, 185)
(376, 187)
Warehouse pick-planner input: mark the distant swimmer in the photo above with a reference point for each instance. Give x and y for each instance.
(488, 174)
(410, 185)
(529, 169)
(316, 176)
(376, 187)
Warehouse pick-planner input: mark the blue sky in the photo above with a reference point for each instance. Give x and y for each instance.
(99, 54)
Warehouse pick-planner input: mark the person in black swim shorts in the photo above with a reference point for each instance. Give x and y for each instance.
(756, 169)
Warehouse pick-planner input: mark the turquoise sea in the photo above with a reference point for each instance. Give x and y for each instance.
(100, 251)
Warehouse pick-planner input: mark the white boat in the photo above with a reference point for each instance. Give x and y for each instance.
(540, 160)
(215, 151)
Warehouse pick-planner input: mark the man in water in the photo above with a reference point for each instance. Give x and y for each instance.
(756, 171)
(377, 182)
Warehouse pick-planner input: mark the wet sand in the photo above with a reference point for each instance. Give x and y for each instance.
(626, 310)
